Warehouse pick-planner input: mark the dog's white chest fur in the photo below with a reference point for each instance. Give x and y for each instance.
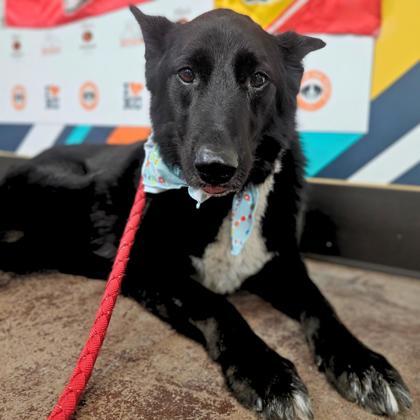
(222, 272)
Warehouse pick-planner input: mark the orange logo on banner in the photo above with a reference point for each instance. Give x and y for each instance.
(136, 88)
(51, 45)
(89, 96)
(54, 90)
(315, 90)
(19, 97)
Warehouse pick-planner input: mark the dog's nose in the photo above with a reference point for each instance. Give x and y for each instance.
(215, 168)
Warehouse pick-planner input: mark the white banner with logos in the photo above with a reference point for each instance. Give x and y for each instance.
(92, 72)
(335, 89)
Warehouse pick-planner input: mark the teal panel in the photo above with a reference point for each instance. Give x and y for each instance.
(322, 148)
(78, 134)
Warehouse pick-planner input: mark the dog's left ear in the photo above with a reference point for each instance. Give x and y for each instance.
(297, 45)
(154, 30)
(294, 48)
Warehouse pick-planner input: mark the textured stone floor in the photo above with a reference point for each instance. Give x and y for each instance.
(147, 371)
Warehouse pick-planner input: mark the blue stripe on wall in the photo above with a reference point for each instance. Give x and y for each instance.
(61, 139)
(392, 114)
(12, 135)
(78, 134)
(322, 148)
(98, 135)
(411, 177)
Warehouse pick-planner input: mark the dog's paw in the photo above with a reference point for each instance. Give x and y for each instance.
(270, 386)
(367, 378)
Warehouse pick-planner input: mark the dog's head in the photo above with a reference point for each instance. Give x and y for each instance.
(223, 94)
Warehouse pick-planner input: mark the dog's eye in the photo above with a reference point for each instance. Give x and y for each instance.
(258, 80)
(186, 75)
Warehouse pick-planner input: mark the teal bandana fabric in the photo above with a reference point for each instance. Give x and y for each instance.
(157, 178)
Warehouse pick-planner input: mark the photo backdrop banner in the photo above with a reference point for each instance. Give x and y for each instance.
(92, 72)
(83, 82)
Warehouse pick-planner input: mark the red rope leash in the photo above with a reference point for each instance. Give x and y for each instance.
(69, 398)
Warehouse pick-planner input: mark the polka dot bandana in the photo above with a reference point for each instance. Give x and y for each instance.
(157, 178)
(243, 214)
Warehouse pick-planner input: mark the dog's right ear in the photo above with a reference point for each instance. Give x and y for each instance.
(154, 30)
(295, 47)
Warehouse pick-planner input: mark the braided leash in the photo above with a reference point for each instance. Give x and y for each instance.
(71, 394)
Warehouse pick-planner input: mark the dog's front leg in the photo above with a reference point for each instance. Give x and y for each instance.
(358, 373)
(258, 377)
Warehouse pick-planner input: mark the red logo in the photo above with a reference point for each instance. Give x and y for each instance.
(87, 39)
(16, 45)
(87, 36)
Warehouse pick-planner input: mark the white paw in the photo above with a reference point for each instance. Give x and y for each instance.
(296, 406)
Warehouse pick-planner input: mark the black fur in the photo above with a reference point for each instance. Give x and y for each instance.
(66, 210)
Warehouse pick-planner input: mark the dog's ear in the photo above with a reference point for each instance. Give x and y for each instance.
(154, 30)
(294, 48)
(297, 45)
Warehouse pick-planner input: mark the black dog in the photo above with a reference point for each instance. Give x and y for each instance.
(223, 112)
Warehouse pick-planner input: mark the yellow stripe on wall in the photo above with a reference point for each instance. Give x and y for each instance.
(398, 45)
(261, 11)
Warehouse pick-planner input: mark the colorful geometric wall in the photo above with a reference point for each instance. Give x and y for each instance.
(390, 151)
(386, 150)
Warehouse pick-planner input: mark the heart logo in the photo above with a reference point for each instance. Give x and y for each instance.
(54, 90)
(136, 88)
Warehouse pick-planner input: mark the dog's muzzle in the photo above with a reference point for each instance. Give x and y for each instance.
(215, 168)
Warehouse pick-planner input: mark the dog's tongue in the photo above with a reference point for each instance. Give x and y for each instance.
(213, 189)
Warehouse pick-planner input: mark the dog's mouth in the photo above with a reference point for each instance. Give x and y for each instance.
(216, 190)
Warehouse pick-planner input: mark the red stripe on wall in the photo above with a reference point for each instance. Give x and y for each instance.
(361, 17)
(47, 13)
